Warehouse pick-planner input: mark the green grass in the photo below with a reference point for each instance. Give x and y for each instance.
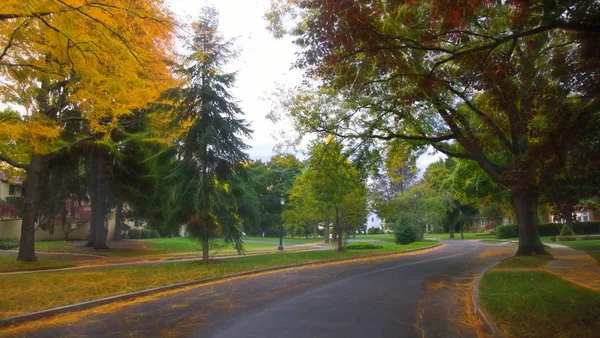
(582, 245)
(145, 247)
(523, 262)
(10, 263)
(34, 292)
(56, 246)
(539, 304)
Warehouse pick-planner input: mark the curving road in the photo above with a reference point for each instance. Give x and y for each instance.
(415, 295)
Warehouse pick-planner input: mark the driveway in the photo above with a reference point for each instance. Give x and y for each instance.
(413, 295)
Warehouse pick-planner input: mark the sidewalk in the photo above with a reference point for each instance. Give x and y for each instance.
(575, 266)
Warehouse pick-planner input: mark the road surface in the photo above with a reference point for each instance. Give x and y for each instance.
(416, 295)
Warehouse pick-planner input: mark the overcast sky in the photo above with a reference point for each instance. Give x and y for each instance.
(263, 63)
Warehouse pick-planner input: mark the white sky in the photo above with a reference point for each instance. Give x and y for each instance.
(264, 63)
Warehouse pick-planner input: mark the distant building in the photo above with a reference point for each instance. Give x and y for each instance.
(373, 221)
(10, 186)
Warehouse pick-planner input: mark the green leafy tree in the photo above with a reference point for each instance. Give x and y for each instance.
(421, 207)
(333, 186)
(477, 80)
(210, 154)
(69, 62)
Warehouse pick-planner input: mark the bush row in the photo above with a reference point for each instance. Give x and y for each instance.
(363, 246)
(142, 234)
(8, 243)
(551, 229)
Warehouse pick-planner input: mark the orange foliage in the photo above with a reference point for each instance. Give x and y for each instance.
(114, 55)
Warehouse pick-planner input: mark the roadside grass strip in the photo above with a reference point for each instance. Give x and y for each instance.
(27, 293)
(539, 304)
(9, 263)
(524, 262)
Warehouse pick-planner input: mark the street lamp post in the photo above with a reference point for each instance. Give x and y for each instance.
(280, 248)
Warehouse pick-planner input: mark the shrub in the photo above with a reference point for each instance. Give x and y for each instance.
(17, 202)
(549, 229)
(404, 233)
(586, 228)
(8, 211)
(154, 234)
(363, 246)
(491, 225)
(146, 233)
(374, 231)
(124, 235)
(566, 231)
(507, 231)
(8, 243)
(135, 233)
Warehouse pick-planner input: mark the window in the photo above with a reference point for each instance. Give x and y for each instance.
(12, 190)
(585, 217)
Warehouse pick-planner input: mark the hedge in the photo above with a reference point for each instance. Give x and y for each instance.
(135, 233)
(146, 233)
(8, 243)
(551, 229)
(507, 231)
(363, 246)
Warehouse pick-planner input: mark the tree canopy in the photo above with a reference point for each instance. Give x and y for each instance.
(477, 80)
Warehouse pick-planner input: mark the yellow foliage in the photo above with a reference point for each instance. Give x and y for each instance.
(114, 55)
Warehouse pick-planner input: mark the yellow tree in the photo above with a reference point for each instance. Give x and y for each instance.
(102, 59)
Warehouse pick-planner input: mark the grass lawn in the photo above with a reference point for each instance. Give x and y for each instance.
(10, 263)
(539, 304)
(34, 292)
(146, 247)
(520, 262)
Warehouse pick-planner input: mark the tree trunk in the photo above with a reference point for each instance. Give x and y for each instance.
(93, 202)
(338, 232)
(118, 220)
(27, 243)
(526, 210)
(100, 215)
(205, 249)
(567, 213)
(327, 233)
(451, 229)
(204, 208)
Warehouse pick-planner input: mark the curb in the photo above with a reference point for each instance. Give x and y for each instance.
(477, 304)
(103, 301)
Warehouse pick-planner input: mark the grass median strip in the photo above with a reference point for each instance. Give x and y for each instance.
(34, 292)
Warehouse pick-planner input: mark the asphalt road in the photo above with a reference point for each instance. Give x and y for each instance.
(417, 295)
